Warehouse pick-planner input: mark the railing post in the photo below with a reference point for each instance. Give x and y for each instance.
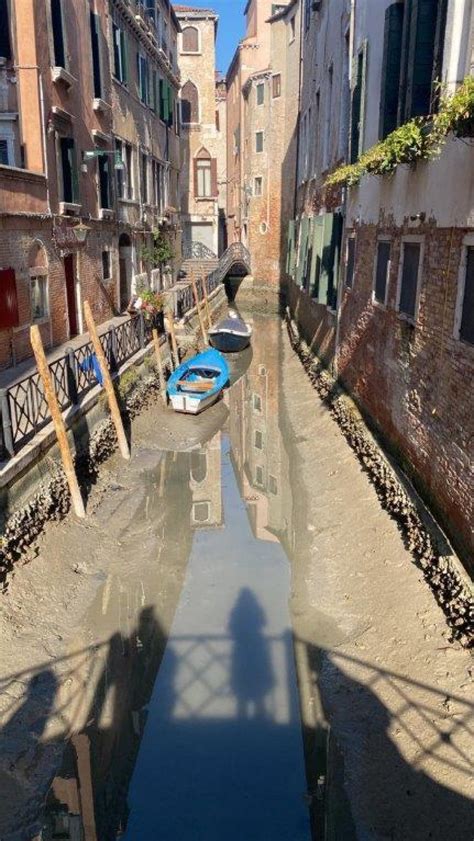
(141, 329)
(113, 349)
(71, 376)
(7, 423)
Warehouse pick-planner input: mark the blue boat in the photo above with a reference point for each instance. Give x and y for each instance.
(198, 382)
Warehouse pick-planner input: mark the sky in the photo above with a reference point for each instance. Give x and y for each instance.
(230, 29)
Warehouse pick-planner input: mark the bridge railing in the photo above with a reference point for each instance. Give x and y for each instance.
(235, 253)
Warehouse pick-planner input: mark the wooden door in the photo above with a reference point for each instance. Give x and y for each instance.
(70, 275)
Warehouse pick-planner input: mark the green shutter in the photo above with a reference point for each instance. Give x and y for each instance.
(316, 256)
(170, 105)
(330, 259)
(420, 55)
(363, 88)
(336, 243)
(359, 73)
(124, 55)
(303, 246)
(392, 57)
(305, 279)
(290, 257)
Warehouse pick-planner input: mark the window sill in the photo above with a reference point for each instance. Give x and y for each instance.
(407, 319)
(205, 198)
(60, 74)
(100, 105)
(106, 213)
(39, 321)
(128, 201)
(67, 208)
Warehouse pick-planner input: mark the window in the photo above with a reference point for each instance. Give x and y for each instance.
(106, 265)
(201, 512)
(5, 158)
(205, 175)
(382, 268)
(5, 46)
(390, 81)
(257, 189)
(276, 85)
(95, 45)
(124, 176)
(307, 13)
(104, 181)
(218, 122)
(260, 90)
(190, 39)
(157, 180)
(258, 440)
(424, 27)
(272, 485)
(410, 267)
(350, 261)
(144, 177)
(120, 53)
(190, 103)
(465, 311)
(259, 476)
(257, 403)
(329, 118)
(166, 97)
(58, 33)
(237, 141)
(69, 191)
(259, 141)
(142, 77)
(39, 296)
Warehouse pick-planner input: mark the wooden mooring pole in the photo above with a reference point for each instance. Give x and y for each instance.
(108, 384)
(206, 301)
(58, 421)
(159, 362)
(198, 307)
(174, 343)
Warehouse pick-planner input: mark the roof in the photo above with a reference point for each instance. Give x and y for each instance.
(182, 10)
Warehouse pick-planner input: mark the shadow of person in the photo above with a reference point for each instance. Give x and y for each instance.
(251, 677)
(23, 753)
(391, 797)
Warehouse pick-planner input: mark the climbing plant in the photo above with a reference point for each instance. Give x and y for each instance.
(419, 139)
(160, 252)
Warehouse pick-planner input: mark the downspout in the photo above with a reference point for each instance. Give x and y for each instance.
(345, 194)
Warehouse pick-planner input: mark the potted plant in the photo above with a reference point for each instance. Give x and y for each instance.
(152, 307)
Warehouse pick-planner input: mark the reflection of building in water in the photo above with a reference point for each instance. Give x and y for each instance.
(205, 484)
(258, 452)
(108, 684)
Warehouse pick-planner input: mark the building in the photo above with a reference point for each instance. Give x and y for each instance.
(88, 138)
(380, 267)
(203, 140)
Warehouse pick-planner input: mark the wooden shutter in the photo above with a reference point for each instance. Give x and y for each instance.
(392, 56)
(124, 55)
(303, 245)
(214, 188)
(316, 256)
(8, 300)
(330, 259)
(58, 38)
(418, 57)
(95, 45)
(5, 46)
(290, 247)
(196, 183)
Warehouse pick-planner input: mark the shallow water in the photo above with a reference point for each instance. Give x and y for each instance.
(174, 714)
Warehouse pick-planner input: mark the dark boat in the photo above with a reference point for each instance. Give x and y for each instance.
(230, 335)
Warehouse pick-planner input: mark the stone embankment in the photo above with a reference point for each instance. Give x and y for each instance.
(442, 571)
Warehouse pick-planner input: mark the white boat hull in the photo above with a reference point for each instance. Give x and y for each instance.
(192, 404)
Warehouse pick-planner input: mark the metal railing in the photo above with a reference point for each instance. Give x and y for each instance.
(197, 251)
(235, 254)
(23, 406)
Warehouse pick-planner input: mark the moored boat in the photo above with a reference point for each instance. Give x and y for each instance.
(230, 335)
(198, 382)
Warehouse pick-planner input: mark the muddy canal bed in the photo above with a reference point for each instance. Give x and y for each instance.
(236, 610)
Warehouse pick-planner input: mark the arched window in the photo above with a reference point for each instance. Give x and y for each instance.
(205, 175)
(190, 103)
(190, 39)
(38, 271)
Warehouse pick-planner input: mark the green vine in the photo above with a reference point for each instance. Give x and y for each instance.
(419, 139)
(160, 252)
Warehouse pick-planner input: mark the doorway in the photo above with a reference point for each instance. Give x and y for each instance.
(125, 270)
(70, 275)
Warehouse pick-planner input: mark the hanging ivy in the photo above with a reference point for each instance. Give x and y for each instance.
(419, 139)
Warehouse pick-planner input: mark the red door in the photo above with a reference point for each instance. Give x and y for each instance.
(71, 294)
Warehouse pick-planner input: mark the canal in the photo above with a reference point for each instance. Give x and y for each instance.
(174, 711)
(234, 645)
